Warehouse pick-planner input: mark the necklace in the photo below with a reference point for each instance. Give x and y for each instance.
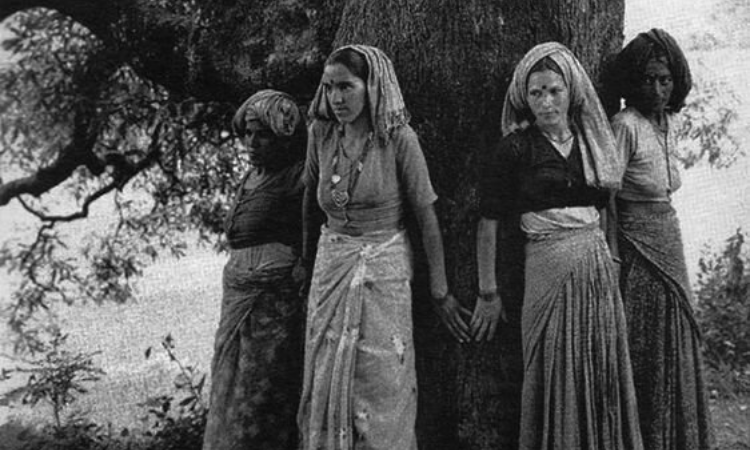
(557, 140)
(341, 196)
(662, 130)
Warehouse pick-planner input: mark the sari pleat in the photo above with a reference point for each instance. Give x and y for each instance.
(664, 338)
(256, 368)
(578, 389)
(359, 383)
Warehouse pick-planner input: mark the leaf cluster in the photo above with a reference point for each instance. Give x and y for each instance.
(164, 166)
(723, 312)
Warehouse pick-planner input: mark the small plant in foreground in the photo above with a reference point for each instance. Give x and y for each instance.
(178, 420)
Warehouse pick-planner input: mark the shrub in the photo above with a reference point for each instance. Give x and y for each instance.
(723, 312)
(177, 420)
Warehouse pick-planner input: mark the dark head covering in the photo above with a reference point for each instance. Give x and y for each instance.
(631, 64)
(387, 108)
(597, 144)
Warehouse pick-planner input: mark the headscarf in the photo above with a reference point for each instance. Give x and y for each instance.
(631, 63)
(274, 109)
(588, 122)
(387, 108)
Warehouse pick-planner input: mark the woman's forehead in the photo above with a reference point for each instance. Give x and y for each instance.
(545, 79)
(656, 65)
(337, 72)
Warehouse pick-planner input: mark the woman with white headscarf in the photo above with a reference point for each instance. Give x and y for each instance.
(256, 368)
(554, 169)
(365, 169)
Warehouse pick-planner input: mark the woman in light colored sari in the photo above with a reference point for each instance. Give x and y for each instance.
(365, 169)
(554, 168)
(256, 369)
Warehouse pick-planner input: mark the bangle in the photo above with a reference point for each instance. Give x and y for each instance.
(441, 298)
(488, 296)
(486, 292)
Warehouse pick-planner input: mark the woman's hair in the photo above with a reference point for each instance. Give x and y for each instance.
(627, 72)
(352, 60)
(544, 64)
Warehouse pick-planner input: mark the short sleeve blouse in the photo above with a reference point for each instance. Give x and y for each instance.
(651, 171)
(393, 176)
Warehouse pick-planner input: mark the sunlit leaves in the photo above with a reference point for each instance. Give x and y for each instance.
(170, 159)
(58, 377)
(706, 126)
(724, 309)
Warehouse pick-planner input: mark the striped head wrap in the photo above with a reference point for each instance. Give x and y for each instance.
(274, 109)
(588, 120)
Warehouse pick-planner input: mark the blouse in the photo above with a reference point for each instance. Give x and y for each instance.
(393, 176)
(525, 173)
(270, 212)
(651, 173)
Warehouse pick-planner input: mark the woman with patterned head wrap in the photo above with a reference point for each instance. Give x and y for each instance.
(553, 170)
(653, 76)
(257, 366)
(365, 168)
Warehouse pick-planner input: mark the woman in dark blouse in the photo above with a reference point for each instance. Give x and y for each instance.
(554, 169)
(256, 369)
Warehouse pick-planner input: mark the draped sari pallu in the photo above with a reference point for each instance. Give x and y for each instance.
(578, 392)
(665, 340)
(256, 369)
(359, 345)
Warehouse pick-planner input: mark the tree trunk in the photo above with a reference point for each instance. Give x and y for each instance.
(454, 60)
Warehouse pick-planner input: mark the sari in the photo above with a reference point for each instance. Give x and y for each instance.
(360, 389)
(257, 364)
(664, 338)
(578, 390)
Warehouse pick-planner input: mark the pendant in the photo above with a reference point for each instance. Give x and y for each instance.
(340, 198)
(335, 178)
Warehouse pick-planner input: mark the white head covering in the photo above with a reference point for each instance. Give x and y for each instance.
(387, 107)
(598, 148)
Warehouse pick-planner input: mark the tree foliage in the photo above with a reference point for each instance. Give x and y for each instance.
(80, 127)
(724, 310)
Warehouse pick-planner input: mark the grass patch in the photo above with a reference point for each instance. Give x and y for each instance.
(731, 421)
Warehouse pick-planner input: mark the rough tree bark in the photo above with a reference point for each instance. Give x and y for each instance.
(454, 59)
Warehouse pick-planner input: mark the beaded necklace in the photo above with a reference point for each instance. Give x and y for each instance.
(341, 197)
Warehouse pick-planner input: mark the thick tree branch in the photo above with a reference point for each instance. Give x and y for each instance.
(80, 214)
(208, 49)
(79, 152)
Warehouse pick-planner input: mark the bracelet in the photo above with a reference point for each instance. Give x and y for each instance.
(487, 292)
(488, 296)
(617, 260)
(442, 298)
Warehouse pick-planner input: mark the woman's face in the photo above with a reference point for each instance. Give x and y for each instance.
(549, 100)
(260, 142)
(654, 88)
(345, 92)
